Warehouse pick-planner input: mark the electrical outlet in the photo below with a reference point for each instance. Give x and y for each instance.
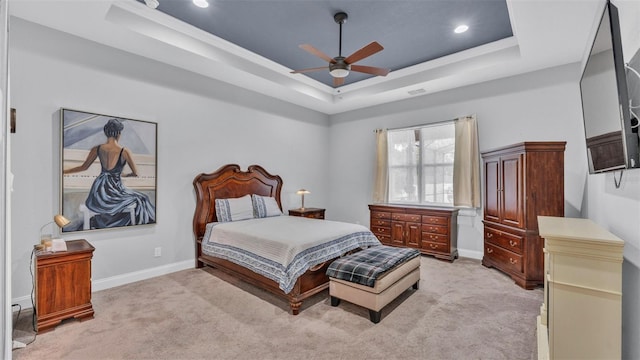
(157, 252)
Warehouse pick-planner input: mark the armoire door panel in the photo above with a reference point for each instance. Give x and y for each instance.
(492, 187)
(511, 191)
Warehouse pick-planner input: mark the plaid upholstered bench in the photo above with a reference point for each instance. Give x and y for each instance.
(374, 277)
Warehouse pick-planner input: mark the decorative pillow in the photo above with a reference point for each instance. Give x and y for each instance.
(234, 209)
(265, 206)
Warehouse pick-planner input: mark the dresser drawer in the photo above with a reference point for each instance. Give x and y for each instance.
(380, 215)
(505, 259)
(503, 239)
(384, 238)
(406, 217)
(378, 230)
(434, 246)
(436, 220)
(380, 222)
(436, 229)
(439, 238)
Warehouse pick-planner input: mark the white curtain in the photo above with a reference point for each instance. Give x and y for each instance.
(381, 180)
(466, 165)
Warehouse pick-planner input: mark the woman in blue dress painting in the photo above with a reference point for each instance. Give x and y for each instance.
(108, 197)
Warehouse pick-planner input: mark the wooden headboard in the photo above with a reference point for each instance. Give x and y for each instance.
(230, 182)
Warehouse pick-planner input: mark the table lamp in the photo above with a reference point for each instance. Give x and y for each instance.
(302, 192)
(59, 220)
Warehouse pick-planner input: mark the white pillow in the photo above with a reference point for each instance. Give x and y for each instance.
(265, 206)
(234, 209)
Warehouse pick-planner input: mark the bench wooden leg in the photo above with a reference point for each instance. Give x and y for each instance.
(415, 286)
(375, 316)
(335, 301)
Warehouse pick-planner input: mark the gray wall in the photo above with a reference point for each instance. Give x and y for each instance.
(203, 124)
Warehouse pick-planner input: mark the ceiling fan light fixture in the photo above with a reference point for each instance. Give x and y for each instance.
(339, 73)
(339, 68)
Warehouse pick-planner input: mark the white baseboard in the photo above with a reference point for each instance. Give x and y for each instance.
(107, 283)
(470, 254)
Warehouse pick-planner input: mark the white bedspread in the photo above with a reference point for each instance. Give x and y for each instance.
(282, 248)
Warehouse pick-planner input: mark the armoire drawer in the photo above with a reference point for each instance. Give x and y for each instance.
(503, 239)
(506, 259)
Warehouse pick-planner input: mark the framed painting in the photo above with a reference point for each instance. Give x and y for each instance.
(108, 174)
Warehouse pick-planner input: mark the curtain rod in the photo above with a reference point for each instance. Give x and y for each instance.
(423, 125)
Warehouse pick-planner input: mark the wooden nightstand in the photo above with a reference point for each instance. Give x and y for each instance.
(312, 213)
(63, 285)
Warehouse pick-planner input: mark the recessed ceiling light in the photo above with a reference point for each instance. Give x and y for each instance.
(201, 3)
(459, 30)
(152, 3)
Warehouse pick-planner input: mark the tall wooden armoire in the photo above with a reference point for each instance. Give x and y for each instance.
(521, 181)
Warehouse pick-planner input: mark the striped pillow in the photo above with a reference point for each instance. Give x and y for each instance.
(265, 206)
(234, 209)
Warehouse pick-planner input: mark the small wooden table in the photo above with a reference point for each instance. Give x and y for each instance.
(63, 285)
(312, 213)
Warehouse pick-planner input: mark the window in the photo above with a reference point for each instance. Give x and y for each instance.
(420, 164)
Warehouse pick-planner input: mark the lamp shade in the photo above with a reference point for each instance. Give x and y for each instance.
(61, 221)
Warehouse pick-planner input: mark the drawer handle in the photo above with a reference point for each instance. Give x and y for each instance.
(433, 246)
(431, 228)
(513, 261)
(433, 237)
(512, 243)
(489, 250)
(381, 230)
(489, 235)
(380, 222)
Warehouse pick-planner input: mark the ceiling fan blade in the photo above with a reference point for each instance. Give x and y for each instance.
(338, 81)
(309, 70)
(366, 51)
(370, 70)
(317, 53)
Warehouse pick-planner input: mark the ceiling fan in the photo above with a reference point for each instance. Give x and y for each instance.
(340, 66)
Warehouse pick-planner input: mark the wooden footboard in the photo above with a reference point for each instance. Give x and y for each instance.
(310, 283)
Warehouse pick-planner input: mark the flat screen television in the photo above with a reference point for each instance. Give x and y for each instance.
(611, 131)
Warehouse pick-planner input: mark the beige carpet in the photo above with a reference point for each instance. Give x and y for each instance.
(461, 311)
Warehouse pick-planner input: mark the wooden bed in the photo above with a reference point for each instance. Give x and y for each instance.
(231, 182)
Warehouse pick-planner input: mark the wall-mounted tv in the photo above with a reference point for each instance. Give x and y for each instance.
(611, 131)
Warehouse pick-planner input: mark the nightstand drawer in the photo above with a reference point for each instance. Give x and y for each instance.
(311, 213)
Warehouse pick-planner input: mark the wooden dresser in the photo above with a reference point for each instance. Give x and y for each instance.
(63, 285)
(433, 231)
(581, 317)
(521, 181)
